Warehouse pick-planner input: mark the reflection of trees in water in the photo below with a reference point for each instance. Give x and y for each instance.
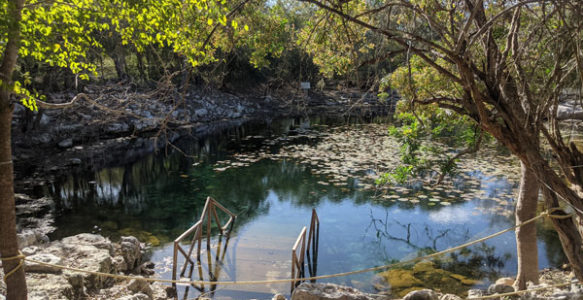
(552, 244)
(478, 261)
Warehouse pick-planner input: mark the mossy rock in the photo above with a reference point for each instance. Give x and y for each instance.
(423, 275)
(424, 266)
(143, 236)
(465, 280)
(400, 279)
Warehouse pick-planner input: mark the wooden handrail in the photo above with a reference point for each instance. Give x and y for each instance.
(209, 212)
(297, 263)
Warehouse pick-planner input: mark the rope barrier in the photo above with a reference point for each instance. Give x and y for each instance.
(289, 280)
(9, 162)
(20, 257)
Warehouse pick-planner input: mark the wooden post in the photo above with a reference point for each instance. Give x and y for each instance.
(174, 262)
(209, 211)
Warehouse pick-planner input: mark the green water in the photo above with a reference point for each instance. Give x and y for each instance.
(159, 196)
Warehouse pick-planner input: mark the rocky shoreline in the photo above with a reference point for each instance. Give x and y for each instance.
(113, 125)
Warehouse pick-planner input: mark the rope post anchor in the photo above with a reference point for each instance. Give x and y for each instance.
(19, 257)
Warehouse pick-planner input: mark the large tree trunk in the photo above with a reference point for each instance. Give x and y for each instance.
(526, 247)
(569, 234)
(16, 283)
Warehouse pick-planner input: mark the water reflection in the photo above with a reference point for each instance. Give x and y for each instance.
(156, 198)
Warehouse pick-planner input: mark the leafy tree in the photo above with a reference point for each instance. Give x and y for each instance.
(503, 65)
(62, 34)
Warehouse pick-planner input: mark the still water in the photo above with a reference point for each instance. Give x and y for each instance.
(158, 197)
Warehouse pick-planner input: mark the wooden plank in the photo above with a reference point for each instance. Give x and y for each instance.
(191, 247)
(217, 219)
(302, 233)
(174, 263)
(208, 227)
(184, 253)
(223, 208)
(187, 232)
(206, 206)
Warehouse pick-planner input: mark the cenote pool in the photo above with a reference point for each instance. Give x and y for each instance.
(272, 175)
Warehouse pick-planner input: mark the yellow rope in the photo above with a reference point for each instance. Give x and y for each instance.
(560, 217)
(20, 257)
(199, 282)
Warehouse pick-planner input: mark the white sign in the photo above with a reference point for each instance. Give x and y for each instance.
(304, 85)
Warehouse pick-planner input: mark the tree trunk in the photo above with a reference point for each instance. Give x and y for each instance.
(569, 234)
(119, 60)
(16, 283)
(526, 247)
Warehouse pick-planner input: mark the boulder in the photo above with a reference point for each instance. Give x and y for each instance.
(75, 161)
(140, 286)
(90, 252)
(77, 289)
(88, 239)
(117, 128)
(40, 268)
(327, 291)
(46, 286)
(278, 297)
(26, 238)
(570, 110)
(66, 143)
(475, 293)
(450, 297)
(120, 263)
(28, 251)
(505, 280)
(201, 113)
(138, 296)
(425, 294)
(498, 288)
(131, 251)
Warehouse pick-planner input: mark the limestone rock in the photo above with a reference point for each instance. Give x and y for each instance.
(201, 113)
(40, 268)
(497, 288)
(91, 252)
(450, 297)
(116, 128)
(28, 251)
(26, 238)
(327, 291)
(131, 252)
(77, 289)
(138, 296)
(278, 297)
(46, 286)
(66, 143)
(120, 263)
(425, 294)
(140, 286)
(475, 293)
(506, 281)
(89, 239)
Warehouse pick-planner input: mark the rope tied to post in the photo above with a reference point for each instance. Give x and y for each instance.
(21, 257)
(558, 217)
(8, 162)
